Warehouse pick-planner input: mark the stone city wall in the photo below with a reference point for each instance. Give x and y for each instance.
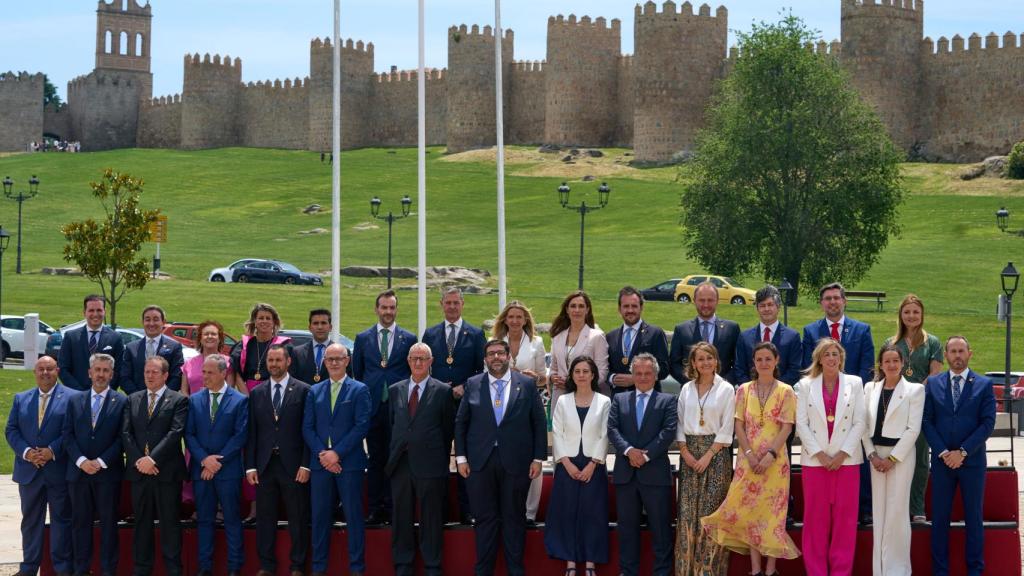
(160, 123)
(104, 110)
(526, 103)
(394, 113)
(21, 110)
(275, 114)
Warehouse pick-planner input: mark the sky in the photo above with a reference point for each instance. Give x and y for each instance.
(272, 36)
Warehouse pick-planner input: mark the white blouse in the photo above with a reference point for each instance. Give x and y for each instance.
(719, 411)
(531, 355)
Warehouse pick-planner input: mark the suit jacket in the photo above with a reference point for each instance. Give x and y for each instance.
(686, 334)
(366, 362)
(23, 432)
(856, 340)
(902, 416)
(467, 356)
(656, 434)
(304, 366)
(847, 429)
(522, 435)
(425, 438)
(968, 426)
(341, 428)
(159, 436)
(81, 440)
(132, 363)
(283, 432)
(74, 354)
(785, 339)
(650, 339)
(224, 435)
(590, 342)
(567, 432)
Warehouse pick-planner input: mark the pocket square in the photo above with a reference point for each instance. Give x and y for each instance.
(105, 348)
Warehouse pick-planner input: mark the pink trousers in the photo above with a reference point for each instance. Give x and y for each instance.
(830, 519)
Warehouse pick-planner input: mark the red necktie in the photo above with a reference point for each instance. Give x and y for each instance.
(835, 331)
(767, 334)
(414, 401)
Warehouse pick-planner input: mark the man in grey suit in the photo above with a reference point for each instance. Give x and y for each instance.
(422, 416)
(642, 427)
(707, 326)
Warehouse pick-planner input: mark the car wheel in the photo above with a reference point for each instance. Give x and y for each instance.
(6, 351)
(683, 299)
(738, 300)
(217, 278)
(243, 278)
(289, 280)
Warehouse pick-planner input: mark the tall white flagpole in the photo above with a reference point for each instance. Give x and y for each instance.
(421, 210)
(336, 180)
(500, 122)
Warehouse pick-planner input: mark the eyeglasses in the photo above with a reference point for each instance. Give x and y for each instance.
(335, 358)
(496, 353)
(420, 359)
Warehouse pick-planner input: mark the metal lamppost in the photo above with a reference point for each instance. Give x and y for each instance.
(583, 209)
(20, 197)
(786, 288)
(375, 203)
(1002, 218)
(1010, 278)
(5, 239)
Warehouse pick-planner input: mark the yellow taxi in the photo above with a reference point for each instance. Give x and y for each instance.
(728, 290)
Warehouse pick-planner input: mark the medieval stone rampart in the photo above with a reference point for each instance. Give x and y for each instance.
(275, 114)
(104, 110)
(21, 100)
(356, 73)
(160, 123)
(471, 86)
(394, 117)
(57, 121)
(210, 102)
(525, 119)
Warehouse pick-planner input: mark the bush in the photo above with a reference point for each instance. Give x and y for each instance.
(1015, 163)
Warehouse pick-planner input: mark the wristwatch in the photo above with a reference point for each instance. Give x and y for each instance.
(963, 453)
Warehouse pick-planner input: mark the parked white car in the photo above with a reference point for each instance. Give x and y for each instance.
(224, 274)
(14, 335)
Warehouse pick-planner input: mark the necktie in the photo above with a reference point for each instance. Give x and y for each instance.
(152, 404)
(499, 404)
(414, 401)
(277, 397)
(96, 401)
(835, 331)
(319, 359)
(94, 341)
(641, 406)
(384, 343)
(767, 334)
(627, 342)
(335, 389)
(451, 337)
(150, 348)
(705, 331)
(956, 390)
(214, 405)
(44, 398)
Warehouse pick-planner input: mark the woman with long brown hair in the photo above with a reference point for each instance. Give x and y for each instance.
(574, 333)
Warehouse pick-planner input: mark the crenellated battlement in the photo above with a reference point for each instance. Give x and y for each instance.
(891, 9)
(432, 75)
(277, 85)
(163, 101)
(206, 61)
(523, 66)
(101, 79)
(463, 32)
(599, 23)
(133, 7)
(349, 45)
(668, 10)
(991, 45)
(11, 77)
(823, 48)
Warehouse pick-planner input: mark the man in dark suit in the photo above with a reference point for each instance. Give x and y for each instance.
(642, 427)
(959, 415)
(335, 421)
(378, 359)
(130, 366)
(707, 326)
(277, 462)
(95, 465)
(34, 432)
(218, 419)
(422, 416)
(151, 433)
(308, 365)
(80, 343)
(500, 443)
(635, 336)
(786, 340)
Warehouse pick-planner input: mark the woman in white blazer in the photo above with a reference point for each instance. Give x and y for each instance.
(574, 334)
(894, 408)
(830, 422)
(577, 518)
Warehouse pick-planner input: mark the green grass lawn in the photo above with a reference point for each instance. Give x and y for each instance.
(228, 204)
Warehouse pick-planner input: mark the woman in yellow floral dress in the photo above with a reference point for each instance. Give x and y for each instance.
(752, 520)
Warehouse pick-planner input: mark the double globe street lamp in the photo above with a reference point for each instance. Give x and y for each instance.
(583, 208)
(1010, 278)
(20, 197)
(390, 218)
(5, 239)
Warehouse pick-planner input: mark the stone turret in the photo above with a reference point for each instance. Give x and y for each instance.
(471, 86)
(21, 110)
(123, 39)
(209, 113)
(356, 76)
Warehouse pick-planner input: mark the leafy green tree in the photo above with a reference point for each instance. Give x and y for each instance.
(795, 175)
(107, 251)
(1015, 163)
(50, 95)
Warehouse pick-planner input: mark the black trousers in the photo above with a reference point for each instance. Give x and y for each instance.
(91, 499)
(154, 499)
(406, 492)
(275, 486)
(499, 504)
(657, 500)
(378, 444)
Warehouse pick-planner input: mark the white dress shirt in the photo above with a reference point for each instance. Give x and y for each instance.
(719, 411)
(92, 398)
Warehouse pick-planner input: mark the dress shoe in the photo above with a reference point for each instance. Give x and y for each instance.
(866, 520)
(467, 519)
(204, 573)
(265, 573)
(355, 573)
(319, 574)
(297, 573)
(531, 523)
(377, 518)
(234, 573)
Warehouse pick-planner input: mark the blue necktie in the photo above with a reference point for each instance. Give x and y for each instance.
(319, 356)
(627, 343)
(956, 390)
(641, 405)
(499, 404)
(705, 331)
(94, 341)
(96, 401)
(277, 398)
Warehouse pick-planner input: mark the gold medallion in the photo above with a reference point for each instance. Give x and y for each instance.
(450, 360)
(258, 376)
(498, 402)
(316, 377)
(909, 371)
(701, 421)
(383, 363)
(831, 418)
(625, 361)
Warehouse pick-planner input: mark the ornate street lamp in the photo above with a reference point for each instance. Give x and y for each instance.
(390, 218)
(5, 240)
(786, 288)
(1010, 279)
(1002, 218)
(20, 197)
(563, 198)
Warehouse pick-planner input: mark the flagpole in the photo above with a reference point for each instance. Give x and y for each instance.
(500, 122)
(336, 180)
(421, 210)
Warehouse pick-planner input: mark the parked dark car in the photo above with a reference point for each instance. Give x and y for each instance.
(663, 291)
(274, 272)
(300, 337)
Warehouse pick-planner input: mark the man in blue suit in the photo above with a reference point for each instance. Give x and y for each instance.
(131, 365)
(959, 415)
(81, 343)
(334, 424)
(642, 427)
(215, 434)
(635, 336)
(786, 340)
(379, 359)
(95, 465)
(500, 443)
(35, 433)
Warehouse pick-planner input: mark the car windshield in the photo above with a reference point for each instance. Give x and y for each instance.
(239, 264)
(288, 267)
(730, 281)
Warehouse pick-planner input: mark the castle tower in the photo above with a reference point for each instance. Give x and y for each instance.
(581, 104)
(123, 29)
(678, 58)
(881, 50)
(472, 118)
(209, 102)
(356, 73)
